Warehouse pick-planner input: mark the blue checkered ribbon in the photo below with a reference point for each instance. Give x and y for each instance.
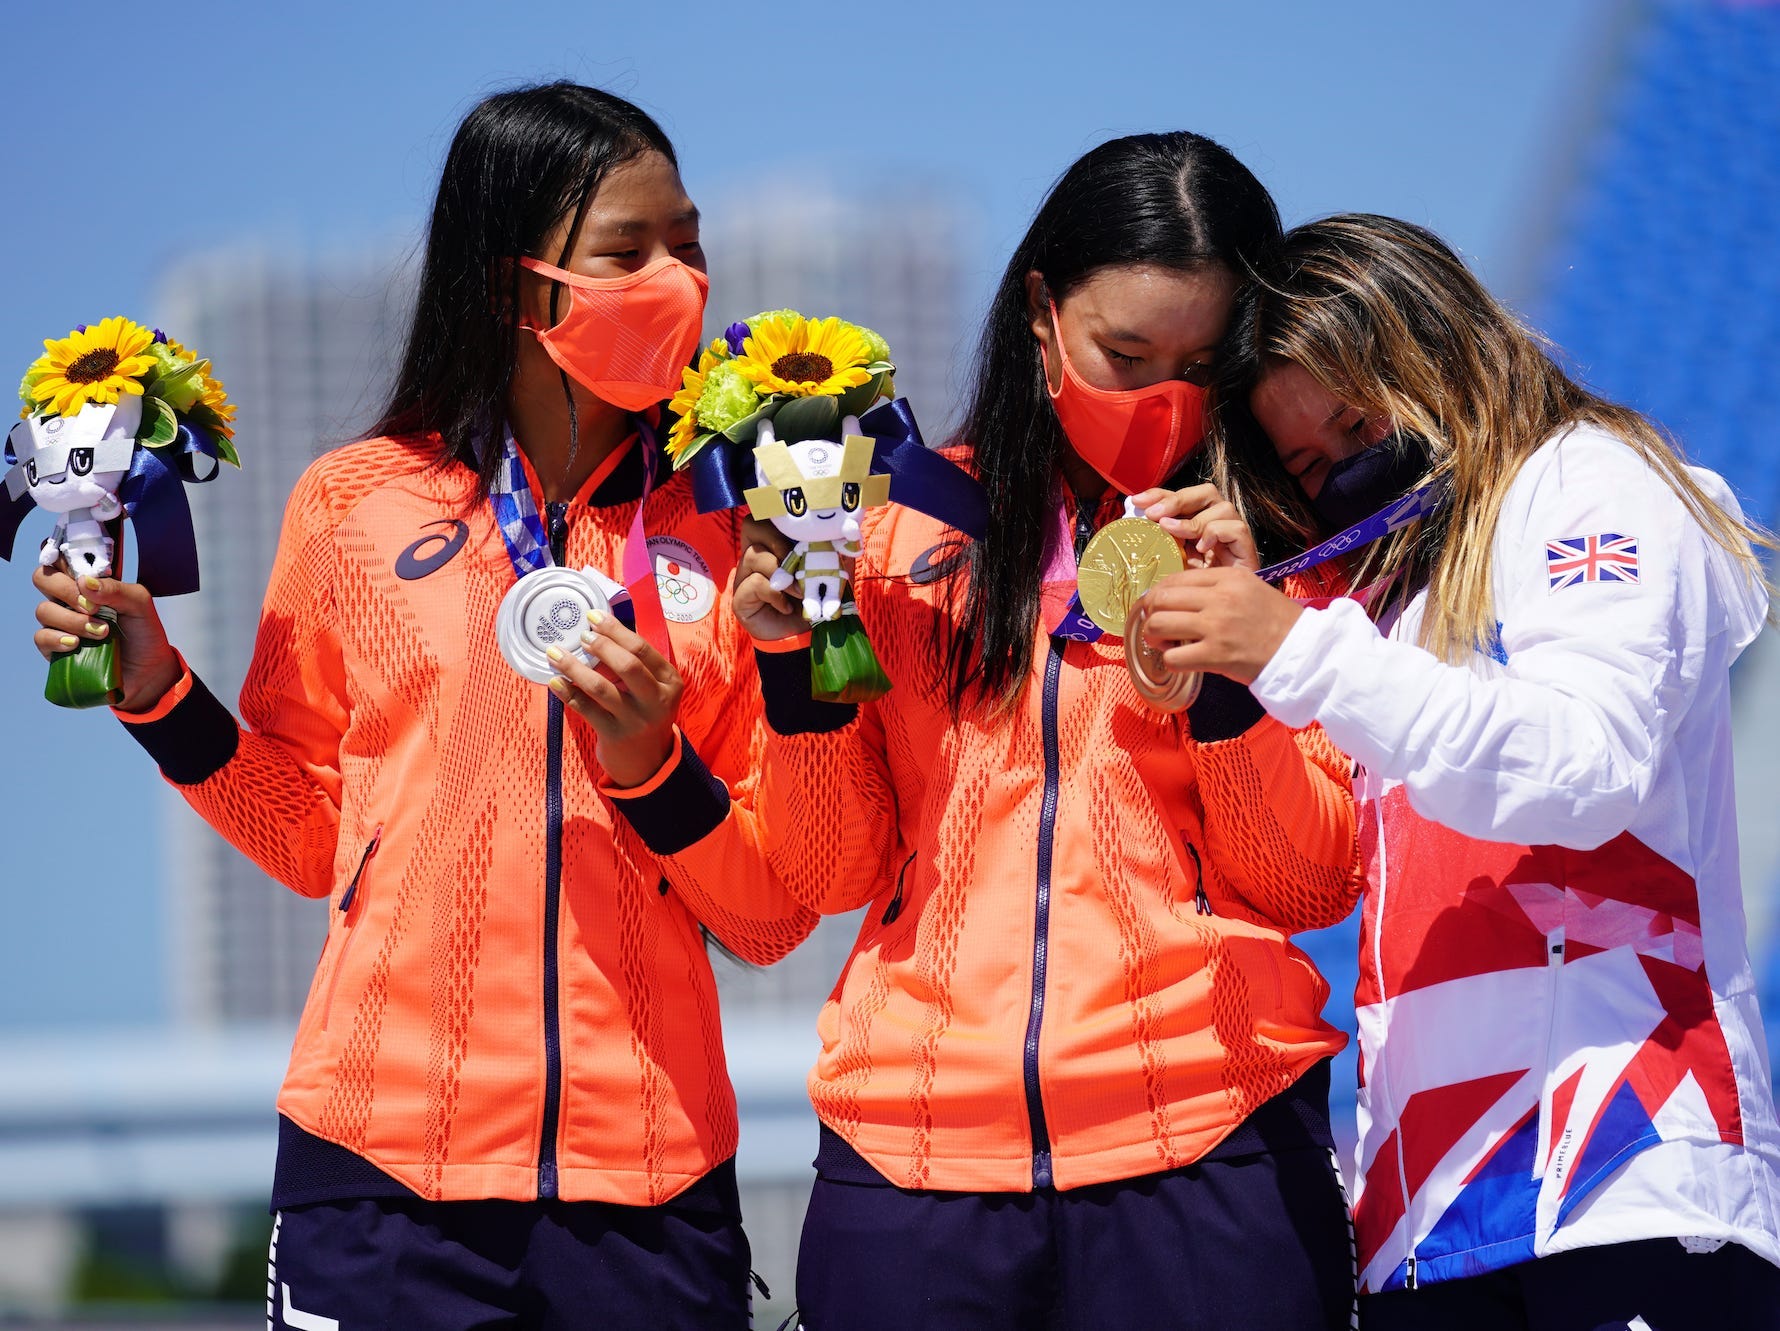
(516, 512)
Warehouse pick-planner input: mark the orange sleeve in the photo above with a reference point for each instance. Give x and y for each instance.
(826, 792)
(812, 816)
(272, 788)
(833, 831)
(1280, 829)
(700, 818)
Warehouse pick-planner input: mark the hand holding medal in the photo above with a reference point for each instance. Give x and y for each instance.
(1122, 562)
(1212, 534)
(1228, 616)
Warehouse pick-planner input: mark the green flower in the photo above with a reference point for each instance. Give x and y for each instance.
(880, 349)
(728, 397)
(779, 316)
(39, 368)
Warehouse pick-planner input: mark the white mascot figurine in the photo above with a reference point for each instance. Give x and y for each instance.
(814, 492)
(72, 466)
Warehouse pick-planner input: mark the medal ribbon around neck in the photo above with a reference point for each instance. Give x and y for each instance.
(528, 547)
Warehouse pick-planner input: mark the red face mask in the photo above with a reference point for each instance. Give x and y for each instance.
(1135, 437)
(626, 339)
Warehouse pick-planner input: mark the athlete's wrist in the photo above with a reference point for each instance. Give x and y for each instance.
(637, 759)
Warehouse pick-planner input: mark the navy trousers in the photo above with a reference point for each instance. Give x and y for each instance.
(1648, 1285)
(410, 1265)
(1257, 1240)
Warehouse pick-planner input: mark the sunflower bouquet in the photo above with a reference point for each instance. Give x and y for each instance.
(115, 417)
(763, 365)
(115, 357)
(792, 390)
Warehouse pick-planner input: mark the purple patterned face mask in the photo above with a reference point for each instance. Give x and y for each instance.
(1359, 486)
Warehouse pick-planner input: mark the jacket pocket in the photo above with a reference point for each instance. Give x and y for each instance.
(351, 911)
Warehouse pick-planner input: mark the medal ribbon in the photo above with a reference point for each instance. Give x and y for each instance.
(1063, 603)
(528, 547)
(1060, 601)
(637, 569)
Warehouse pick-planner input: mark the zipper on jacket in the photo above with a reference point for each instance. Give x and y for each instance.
(1047, 832)
(1555, 942)
(894, 909)
(1201, 902)
(557, 517)
(1085, 510)
(347, 897)
(351, 892)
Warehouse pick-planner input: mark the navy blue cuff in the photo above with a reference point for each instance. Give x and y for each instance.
(785, 688)
(1224, 709)
(686, 807)
(194, 741)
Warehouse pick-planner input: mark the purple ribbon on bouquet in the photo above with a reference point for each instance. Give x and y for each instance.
(919, 478)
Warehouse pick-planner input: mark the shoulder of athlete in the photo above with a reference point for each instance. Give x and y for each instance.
(903, 544)
(1588, 483)
(340, 478)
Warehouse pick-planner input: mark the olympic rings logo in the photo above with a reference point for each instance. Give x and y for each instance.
(681, 592)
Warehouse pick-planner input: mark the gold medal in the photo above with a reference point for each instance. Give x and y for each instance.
(1124, 560)
(1162, 688)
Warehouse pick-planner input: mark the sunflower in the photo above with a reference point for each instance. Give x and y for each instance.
(93, 364)
(682, 405)
(805, 357)
(217, 401)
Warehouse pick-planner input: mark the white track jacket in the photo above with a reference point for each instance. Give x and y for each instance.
(1559, 1039)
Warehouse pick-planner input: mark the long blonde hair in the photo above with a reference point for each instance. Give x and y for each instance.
(1387, 319)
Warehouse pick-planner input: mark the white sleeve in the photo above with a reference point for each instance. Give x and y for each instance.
(1562, 745)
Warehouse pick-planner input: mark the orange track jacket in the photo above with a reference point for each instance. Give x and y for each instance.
(514, 999)
(1075, 966)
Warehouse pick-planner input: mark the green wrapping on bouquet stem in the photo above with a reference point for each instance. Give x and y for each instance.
(843, 667)
(89, 676)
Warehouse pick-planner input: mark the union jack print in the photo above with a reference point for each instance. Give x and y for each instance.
(1608, 557)
(1479, 1126)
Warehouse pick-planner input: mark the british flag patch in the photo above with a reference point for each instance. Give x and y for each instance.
(1608, 557)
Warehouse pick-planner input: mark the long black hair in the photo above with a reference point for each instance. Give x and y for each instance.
(521, 161)
(1177, 200)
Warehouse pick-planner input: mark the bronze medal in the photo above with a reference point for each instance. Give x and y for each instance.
(1124, 560)
(1164, 689)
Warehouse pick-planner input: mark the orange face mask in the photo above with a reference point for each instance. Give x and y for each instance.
(626, 339)
(1134, 437)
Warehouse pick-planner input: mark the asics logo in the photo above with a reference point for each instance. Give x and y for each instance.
(433, 551)
(929, 565)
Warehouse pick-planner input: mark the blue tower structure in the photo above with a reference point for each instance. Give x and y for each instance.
(1663, 289)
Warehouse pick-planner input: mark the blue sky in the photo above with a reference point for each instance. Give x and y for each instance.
(153, 133)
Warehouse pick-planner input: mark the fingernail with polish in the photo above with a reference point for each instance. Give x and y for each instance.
(70, 642)
(559, 685)
(554, 653)
(90, 582)
(86, 606)
(95, 628)
(594, 617)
